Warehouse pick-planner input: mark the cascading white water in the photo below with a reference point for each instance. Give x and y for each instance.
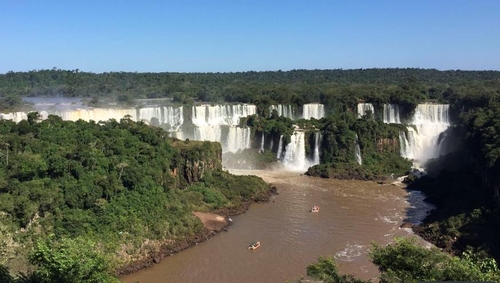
(294, 157)
(172, 116)
(421, 143)
(280, 148)
(283, 110)
(209, 120)
(317, 144)
(407, 142)
(391, 114)
(295, 153)
(363, 108)
(262, 143)
(357, 151)
(237, 138)
(150, 113)
(14, 116)
(208, 133)
(229, 115)
(95, 114)
(165, 115)
(313, 110)
(231, 138)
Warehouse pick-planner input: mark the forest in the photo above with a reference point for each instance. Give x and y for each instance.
(338, 89)
(103, 192)
(77, 180)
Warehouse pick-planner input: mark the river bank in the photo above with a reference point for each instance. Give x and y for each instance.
(213, 222)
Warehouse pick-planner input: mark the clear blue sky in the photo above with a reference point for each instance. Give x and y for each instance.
(229, 36)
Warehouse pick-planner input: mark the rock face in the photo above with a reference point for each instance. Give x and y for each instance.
(194, 159)
(386, 144)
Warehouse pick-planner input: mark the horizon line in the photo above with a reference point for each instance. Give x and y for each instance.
(254, 71)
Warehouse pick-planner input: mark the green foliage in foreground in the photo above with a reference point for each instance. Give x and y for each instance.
(71, 261)
(405, 262)
(326, 271)
(68, 260)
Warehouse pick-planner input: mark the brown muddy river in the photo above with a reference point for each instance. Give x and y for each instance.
(352, 215)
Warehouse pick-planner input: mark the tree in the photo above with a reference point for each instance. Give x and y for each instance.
(326, 271)
(69, 260)
(406, 261)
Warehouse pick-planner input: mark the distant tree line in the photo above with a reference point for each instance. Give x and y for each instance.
(337, 89)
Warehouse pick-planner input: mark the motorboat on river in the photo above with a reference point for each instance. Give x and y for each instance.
(315, 208)
(254, 245)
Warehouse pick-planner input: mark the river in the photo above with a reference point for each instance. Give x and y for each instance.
(352, 215)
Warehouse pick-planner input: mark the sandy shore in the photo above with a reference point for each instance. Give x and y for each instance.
(211, 221)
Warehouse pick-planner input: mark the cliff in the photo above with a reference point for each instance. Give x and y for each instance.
(194, 159)
(388, 145)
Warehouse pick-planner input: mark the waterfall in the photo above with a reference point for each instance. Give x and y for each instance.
(421, 142)
(231, 138)
(220, 123)
(261, 150)
(14, 116)
(230, 115)
(365, 107)
(317, 143)
(357, 151)
(294, 157)
(150, 113)
(295, 153)
(217, 123)
(209, 120)
(408, 143)
(391, 114)
(313, 110)
(237, 138)
(283, 110)
(280, 148)
(171, 116)
(208, 133)
(95, 114)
